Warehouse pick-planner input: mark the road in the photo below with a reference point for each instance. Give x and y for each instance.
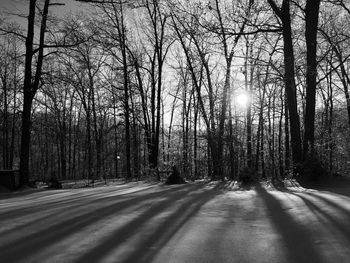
(197, 222)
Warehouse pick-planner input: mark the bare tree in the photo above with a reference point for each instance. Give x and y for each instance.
(311, 26)
(283, 13)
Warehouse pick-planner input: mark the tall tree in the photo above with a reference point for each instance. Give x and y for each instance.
(196, 52)
(31, 82)
(115, 32)
(229, 51)
(311, 23)
(34, 58)
(283, 14)
(159, 49)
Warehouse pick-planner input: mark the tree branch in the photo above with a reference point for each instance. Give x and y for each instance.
(7, 32)
(275, 8)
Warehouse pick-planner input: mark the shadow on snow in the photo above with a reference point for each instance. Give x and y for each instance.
(191, 196)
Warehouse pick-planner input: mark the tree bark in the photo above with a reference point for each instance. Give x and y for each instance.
(311, 23)
(30, 85)
(289, 78)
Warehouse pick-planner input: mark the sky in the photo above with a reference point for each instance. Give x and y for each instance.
(9, 7)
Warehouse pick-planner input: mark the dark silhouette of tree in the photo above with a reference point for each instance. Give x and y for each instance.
(311, 26)
(283, 13)
(33, 68)
(31, 81)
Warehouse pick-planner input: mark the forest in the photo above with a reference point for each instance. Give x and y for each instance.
(246, 101)
(239, 89)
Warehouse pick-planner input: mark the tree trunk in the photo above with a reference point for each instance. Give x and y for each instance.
(311, 22)
(97, 135)
(286, 137)
(31, 85)
(13, 130)
(249, 88)
(291, 94)
(25, 140)
(116, 155)
(195, 139)
(289, 78)
(126, 114)
(27, 100)
(5, 148)
(280, 130)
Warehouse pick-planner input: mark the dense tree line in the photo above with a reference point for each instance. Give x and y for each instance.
(131, 88)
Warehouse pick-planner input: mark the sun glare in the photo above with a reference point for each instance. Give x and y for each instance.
(242, 100)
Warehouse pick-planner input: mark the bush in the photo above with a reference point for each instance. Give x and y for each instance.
(175, 177)
(53, 183)
(246, 175)
(311, 170)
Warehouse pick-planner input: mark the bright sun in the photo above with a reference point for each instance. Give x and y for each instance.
(242, 100)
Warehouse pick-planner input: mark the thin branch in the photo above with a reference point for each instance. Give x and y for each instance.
(275, 8)
(333, 69)
(57, 4)
(7, 32)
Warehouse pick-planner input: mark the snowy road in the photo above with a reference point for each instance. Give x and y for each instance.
(188, 223)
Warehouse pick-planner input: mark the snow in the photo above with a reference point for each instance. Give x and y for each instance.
(196, 222)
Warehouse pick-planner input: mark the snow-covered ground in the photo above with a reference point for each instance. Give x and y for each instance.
(197, 222)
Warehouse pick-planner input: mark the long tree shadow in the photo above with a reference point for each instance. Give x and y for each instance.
(60, 209)
(151, 244)
(34, 193)
(338, 185)
(58, 202)
(50, 198)
(341, 225)
(332, 203)
(170, 226)
(33, 243)
(296, 237)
